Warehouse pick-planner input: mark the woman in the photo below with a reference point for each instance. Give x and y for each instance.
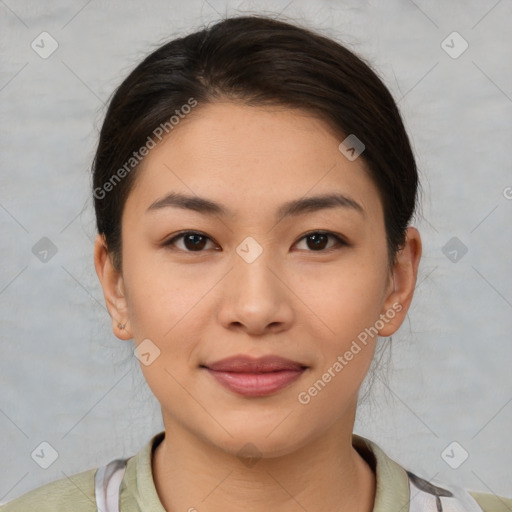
(253, 188)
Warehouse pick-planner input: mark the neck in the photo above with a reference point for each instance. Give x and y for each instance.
(326, 474)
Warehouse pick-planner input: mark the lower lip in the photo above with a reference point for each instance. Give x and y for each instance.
(256, 384)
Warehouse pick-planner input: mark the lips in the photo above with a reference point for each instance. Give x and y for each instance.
(255, 377)
(246, 364)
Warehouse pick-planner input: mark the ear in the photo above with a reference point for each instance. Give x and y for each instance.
(113, 289)
(402, 283)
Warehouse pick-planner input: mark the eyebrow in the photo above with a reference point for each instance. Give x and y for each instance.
(291, 208)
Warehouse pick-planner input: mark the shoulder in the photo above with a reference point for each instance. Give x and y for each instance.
(400, 489)
(74, 492)
(492, 503)
(433, 495)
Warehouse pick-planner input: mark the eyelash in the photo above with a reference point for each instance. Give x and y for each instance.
(340, 241)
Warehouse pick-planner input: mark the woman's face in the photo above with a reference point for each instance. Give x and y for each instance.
(252, 282)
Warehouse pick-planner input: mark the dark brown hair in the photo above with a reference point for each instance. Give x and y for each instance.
(259, 61)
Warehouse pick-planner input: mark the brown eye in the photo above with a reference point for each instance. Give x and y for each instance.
(317, 241)
(192, 241)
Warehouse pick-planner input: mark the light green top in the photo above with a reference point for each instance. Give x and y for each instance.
(138, 492)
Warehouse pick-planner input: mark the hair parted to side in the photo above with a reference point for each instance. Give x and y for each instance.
(258, 61)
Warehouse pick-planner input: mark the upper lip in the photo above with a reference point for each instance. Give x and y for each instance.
(246, 364)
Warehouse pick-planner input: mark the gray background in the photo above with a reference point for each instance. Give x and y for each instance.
(67, 380)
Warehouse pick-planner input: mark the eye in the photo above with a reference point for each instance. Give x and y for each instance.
(318, 239)
(194, 241)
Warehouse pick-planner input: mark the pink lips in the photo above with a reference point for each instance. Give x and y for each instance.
(255, 377)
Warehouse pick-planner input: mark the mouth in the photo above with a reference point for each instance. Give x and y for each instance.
(255, 377)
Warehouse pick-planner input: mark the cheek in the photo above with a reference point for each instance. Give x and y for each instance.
(168, 306)
(344, 306)
(161, 296)
(343, 299)
(162, 309)
(347, 306)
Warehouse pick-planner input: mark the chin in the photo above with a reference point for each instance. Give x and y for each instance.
(260, 439)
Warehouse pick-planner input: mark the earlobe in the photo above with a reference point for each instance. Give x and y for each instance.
(404, 274)
(113, 289)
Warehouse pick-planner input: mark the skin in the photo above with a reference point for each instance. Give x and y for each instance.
(294, 300)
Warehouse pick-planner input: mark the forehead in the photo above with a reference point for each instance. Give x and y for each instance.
(249, 158)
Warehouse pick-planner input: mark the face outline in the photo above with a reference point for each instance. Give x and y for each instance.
(292, 301)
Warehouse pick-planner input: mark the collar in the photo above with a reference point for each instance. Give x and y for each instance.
(392, 492)
(391, 495)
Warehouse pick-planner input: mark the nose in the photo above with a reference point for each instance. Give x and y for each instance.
(255, 297)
